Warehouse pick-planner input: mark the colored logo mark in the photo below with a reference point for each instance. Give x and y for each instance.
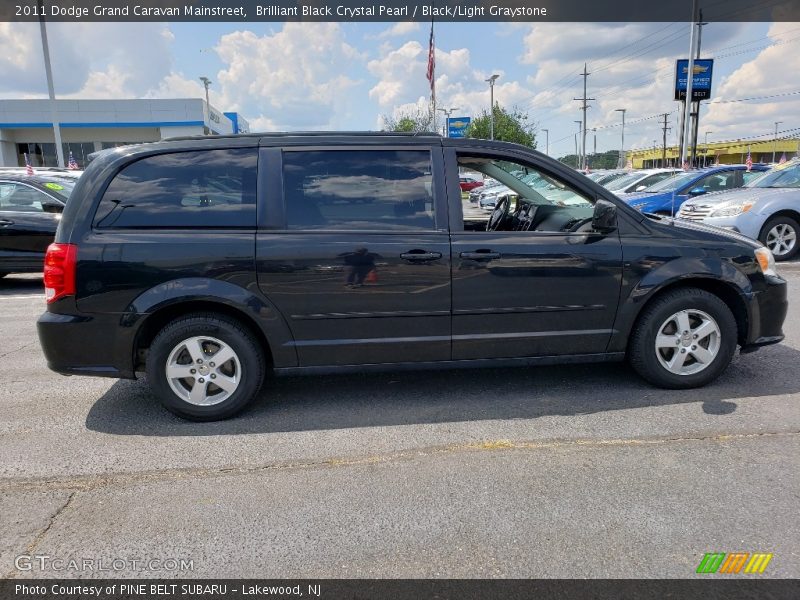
(734, 562)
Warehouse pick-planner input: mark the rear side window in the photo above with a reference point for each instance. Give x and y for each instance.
(208, 188)
(357, 189)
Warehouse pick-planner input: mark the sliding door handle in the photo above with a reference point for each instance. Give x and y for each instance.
(480, 255)
(420, 255)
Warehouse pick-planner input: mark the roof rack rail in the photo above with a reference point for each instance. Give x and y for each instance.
(308, 134)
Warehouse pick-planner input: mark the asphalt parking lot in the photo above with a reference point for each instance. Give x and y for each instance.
(578, 471)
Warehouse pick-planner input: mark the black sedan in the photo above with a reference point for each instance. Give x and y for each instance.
(30, 209)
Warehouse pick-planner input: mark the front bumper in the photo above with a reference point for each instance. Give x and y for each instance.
(768, 309)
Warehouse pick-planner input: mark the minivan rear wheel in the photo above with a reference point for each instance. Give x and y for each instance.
(205, 367)
(780, 234)
(684, 339)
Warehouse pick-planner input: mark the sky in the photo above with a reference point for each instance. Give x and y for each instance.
(348, 76)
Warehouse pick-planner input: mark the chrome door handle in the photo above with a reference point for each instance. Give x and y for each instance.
(480, 255)
(421, 255)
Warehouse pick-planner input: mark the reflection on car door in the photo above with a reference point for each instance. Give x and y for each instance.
(25, 228)
(357, 257)
(531, 293)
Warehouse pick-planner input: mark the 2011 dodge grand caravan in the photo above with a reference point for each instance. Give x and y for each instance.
(209, 262)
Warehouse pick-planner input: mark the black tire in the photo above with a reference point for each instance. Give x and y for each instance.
(642, 352)
(247, 350)
(774, 222)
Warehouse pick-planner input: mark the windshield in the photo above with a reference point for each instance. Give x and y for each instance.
(623, 182)
(61, 187)
(778, 177)
(670, 184)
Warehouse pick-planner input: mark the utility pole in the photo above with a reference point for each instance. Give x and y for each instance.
(50, 90)
(547, 142)
(689, 92)
(622, 147)
(491, 81)
(665, 128)
(775, 141)
(207, 82)
(705, 154)
(584, 106)
(447, 112)
(696, 105)
(578, 159)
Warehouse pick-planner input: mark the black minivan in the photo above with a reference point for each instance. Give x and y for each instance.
(209, 262)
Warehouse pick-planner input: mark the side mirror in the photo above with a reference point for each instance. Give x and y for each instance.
(53, 208)
(697, 191)
(604, 219)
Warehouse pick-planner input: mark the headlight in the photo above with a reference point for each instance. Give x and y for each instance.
(731, 210)
(766, 261)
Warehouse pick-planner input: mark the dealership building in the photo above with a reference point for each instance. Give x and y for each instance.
(26, 126)
(723, 153)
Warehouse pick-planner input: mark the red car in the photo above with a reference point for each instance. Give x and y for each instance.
(468, 183)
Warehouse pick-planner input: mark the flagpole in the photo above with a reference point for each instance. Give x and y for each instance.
(432, 61)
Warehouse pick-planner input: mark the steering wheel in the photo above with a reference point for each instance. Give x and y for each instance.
(582, 226)
(499, 214)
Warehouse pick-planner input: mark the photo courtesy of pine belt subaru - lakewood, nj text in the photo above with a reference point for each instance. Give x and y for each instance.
(209, 263)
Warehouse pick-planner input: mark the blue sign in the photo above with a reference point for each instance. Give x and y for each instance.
(457, 126)
(701, 82)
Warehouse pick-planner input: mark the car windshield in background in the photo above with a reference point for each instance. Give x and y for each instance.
(59, 186)
(672, 183)
(623, 182)
(779, 177)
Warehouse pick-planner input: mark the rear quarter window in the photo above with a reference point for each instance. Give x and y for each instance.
(205, 188)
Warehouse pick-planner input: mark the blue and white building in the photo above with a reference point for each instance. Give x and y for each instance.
(26, 126)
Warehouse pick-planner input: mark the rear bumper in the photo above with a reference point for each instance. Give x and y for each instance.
(768, 309)
(79, 345)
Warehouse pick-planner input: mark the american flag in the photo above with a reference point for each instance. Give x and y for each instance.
(73, 164)
(28, 167)
(783, 159)
(749, 161)
(431, 73)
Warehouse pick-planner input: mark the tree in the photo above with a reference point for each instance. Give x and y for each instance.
(509, 126)
(409, 122)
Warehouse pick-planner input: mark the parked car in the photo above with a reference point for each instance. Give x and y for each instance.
(207, 298)
(611, 175)
(638, 181)
(468, 184)
(30, 209)
(766, 209)
(666, 197)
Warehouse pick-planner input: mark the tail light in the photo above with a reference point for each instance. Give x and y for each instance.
(59, 271)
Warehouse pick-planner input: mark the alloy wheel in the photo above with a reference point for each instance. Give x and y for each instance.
(688, 342)
(203, 370)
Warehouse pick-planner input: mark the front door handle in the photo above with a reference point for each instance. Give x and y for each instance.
(5, 222)
(480, 255)
(420, 255)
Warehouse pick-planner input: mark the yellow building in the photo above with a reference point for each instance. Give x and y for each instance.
(726, 153)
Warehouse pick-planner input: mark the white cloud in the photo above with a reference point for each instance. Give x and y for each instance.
(399, 29)
(292, 79)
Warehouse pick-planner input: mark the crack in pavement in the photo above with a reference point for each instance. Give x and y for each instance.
(31, 547)
(92, 482)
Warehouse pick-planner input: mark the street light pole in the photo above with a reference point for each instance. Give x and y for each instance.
(578, 159)
(547, 141)
(491, 81)
(775, 141)
(50, 90)
(447, 112)
(622, 147)
(207, 82)
(705, 154)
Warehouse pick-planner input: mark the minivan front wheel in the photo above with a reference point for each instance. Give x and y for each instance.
(684, 339)
(205, 367)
